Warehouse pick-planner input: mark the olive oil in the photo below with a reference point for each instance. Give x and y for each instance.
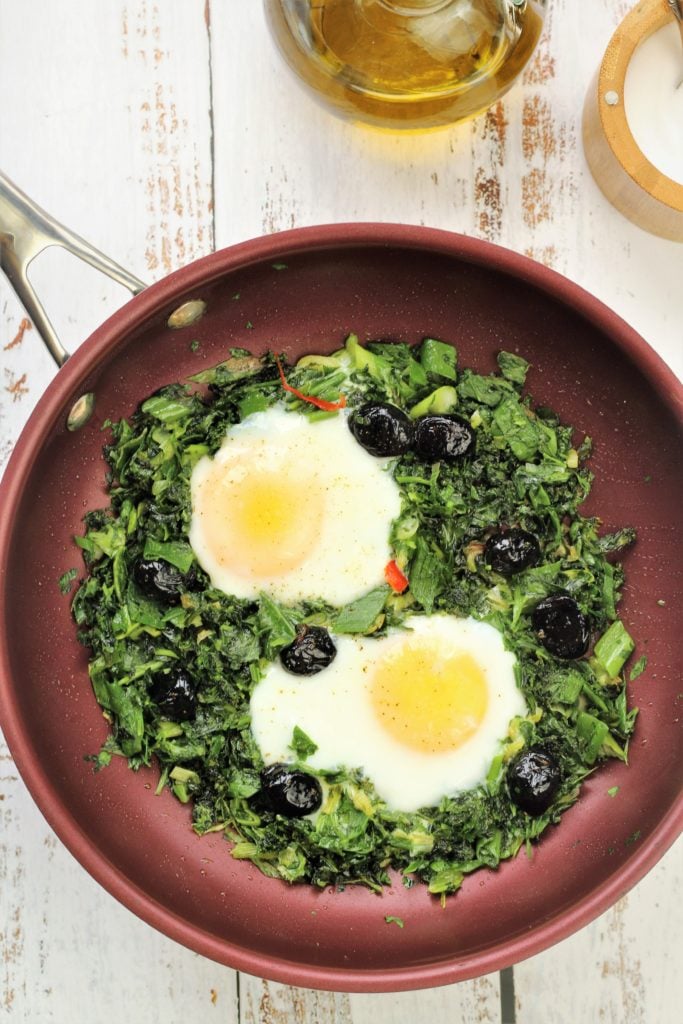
(407, 63)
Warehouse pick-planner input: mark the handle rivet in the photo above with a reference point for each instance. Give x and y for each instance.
(189, 313)
(80, 412)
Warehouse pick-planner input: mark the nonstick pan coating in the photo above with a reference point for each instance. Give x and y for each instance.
(383, 282)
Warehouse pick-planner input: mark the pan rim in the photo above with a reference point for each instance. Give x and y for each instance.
(65, 386)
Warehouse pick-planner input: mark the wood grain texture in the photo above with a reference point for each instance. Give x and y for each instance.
(129, 121)
(471, 1002)
(625, 967)
(105, 122)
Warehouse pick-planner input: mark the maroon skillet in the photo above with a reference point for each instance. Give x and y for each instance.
(381, 281)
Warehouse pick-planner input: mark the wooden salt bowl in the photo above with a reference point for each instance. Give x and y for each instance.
(635, 186)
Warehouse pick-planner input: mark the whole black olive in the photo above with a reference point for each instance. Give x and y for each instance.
(175, 694)
(159, 580)
(444, 437)
(291, 793)
(533, 780)
(311, 651)
(512, 551)
(382, 429)
(561, 626)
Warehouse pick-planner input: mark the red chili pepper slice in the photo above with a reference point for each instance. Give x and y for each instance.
(319, 403)
(395, 578)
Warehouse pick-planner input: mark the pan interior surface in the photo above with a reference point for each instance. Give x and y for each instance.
(141, 846)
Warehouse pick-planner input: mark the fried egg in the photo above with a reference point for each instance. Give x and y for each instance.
(422, 711)
(293, 508)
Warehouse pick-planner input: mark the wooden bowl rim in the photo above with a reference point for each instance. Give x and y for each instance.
(646, 18)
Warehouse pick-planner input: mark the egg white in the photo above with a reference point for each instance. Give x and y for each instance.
(335, 709)
(293, 508)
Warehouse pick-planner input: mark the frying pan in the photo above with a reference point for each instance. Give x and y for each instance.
(382, 281)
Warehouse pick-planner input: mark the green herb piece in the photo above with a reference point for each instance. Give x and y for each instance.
(638, 668)
(278, 622)
(438, 359)
(249, 326)
(240, 366)
(184, 783)
(344, 828)
(618, 540)
(543, 473)
(518, 430)
(595, 739)
(361, 615)
(442, 400)
(614, 648)
(482, 390)
(177, 552)
(66, 580)
(612, 791)
(391, 919)
(633, 838)
(168, 410)
(565, 687)
(302, 745)
(513, 367)
(425, 575)
(446, 879)
(251, 403)
(194, 346)
(100, 760)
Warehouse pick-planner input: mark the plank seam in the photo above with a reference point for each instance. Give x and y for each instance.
(212, 141)
(508, 1004)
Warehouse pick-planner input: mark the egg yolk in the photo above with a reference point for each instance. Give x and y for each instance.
(263, 522)
(429, 701)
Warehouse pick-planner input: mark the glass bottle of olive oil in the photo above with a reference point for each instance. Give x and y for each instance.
(407, 63)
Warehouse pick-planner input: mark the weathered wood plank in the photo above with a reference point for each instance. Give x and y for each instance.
(624, 967)
(69, 951)
(105, 122)
(472, 1002)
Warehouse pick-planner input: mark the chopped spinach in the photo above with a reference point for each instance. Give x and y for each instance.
(527, 472)
(66, 580)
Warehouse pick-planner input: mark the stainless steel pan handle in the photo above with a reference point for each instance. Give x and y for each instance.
(25, 231)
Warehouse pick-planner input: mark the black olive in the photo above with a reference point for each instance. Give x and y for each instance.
(291, 793)
(311, 651)
(160, 580)
(512, 551)
(448, 437)
(533, 780)
(175, 695)
(382, 429)
(561, 626)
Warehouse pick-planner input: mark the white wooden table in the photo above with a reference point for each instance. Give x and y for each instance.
(160, 130)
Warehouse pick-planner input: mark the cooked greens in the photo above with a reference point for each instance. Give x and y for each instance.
(526, 473)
